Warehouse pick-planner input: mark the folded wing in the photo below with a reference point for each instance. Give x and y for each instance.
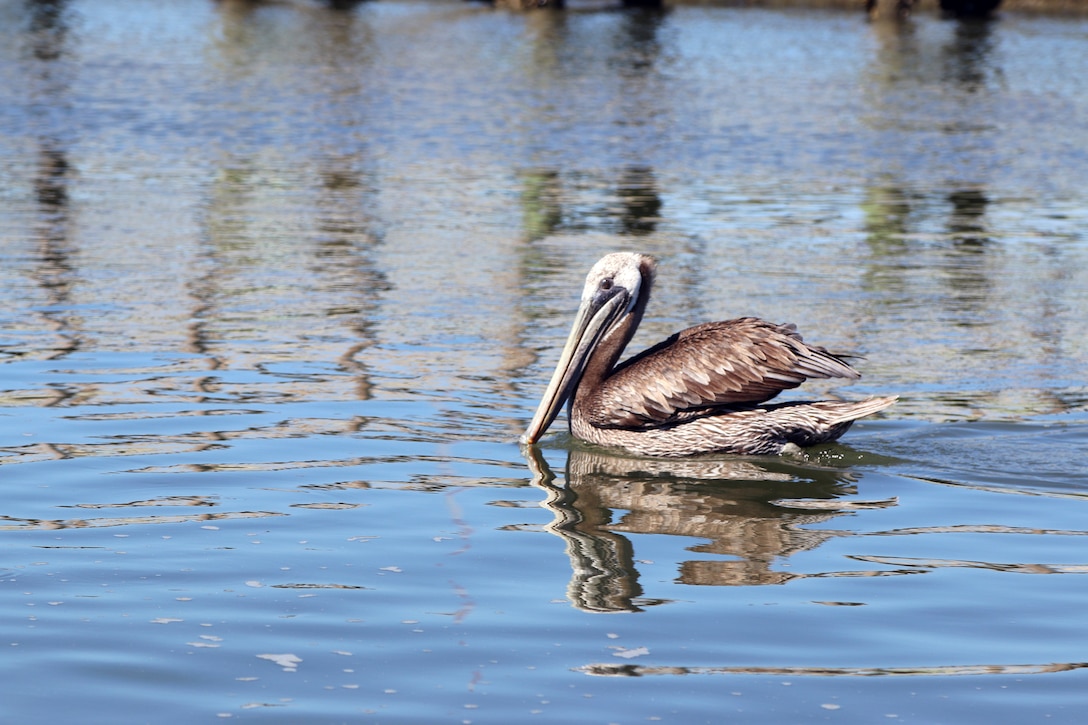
(738, 362)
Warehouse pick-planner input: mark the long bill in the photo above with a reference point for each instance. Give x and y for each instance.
(595, 317)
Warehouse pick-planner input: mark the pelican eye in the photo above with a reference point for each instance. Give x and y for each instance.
(606, 284)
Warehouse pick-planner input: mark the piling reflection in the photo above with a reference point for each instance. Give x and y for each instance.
(970, 280)
(933, 256)
(967, 59)
(641, 202)
(49, 87)
(966, 220)
(753, 511)
(318, 219)
(638, 38)
(974, 10)
(948, 229)
(541, 203)
(344, 257)
(48, 28)
(54, 272)
(550, 203)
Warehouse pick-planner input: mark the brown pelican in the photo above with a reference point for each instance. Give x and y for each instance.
(699, 391)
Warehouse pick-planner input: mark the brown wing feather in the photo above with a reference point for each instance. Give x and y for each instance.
(738, 362)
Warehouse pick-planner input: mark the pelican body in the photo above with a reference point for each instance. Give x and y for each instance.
(703, 390)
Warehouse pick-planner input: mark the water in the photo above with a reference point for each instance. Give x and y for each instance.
(281, 286)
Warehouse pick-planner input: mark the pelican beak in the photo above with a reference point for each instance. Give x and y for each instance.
(595, 317)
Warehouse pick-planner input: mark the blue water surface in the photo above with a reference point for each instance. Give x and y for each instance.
(282, 284)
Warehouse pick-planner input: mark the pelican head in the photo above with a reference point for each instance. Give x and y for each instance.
(615, 294)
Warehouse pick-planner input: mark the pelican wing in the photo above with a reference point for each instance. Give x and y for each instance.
(738, 362)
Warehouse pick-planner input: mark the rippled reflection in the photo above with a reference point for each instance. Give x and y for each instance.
(280, 283)
(632, 206)
(55, 271)
(753, 511)
(610, 670)
(11, 523)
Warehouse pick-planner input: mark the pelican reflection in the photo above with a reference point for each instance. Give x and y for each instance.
(747, 513)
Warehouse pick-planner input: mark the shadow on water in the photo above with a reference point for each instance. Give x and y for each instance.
(752, 510)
